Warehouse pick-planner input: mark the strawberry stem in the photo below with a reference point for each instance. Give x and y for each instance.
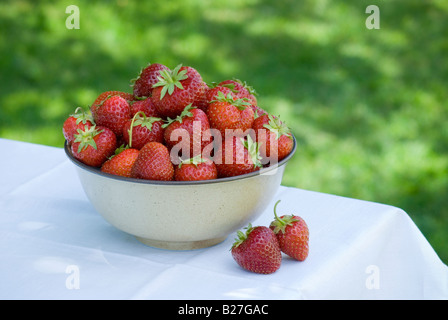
(82, 115)
(140, 119)
(280, 223)
(275, 210)
(130, 130)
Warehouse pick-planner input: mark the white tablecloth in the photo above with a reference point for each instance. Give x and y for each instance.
(53, 245)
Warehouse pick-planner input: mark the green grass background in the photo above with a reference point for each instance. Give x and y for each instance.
(368, 107)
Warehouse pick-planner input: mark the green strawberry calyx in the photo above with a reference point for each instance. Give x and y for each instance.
(169, 79)
(82, 115)
(119, 150)
(253, 148)
(278, 127)
(185, 113)
(280, 224)
(194, 161)
(86, 138)
(140, 119)
(134, 80)
(241, 103)
(246, 86)
(230, 86)
(242, 236)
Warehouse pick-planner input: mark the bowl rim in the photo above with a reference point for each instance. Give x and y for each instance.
(96, 170)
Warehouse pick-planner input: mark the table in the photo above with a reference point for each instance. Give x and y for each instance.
(53, 245)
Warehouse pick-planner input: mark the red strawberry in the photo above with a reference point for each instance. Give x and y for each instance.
(121, 163)
(144, 129)
(78, 120)
(257, 250)
(241, 90)
(176, 89)
(189, 132)
(202, 102)
(94, 145)
(196, 168)
(292, 234)
(236, 156)
(226, 113)
(107, 94)
(274, 138)
(153, 163)
(147, 78)
(113, 114)
(146, 106)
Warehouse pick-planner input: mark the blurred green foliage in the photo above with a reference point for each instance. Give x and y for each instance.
(368, 107)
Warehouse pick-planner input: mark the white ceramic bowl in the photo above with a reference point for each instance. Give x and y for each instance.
(180, 215)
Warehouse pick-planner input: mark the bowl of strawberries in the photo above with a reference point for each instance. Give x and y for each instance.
(177, 163)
